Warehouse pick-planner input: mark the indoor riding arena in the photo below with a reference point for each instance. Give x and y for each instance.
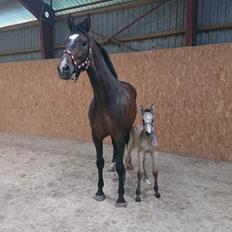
(56, 56)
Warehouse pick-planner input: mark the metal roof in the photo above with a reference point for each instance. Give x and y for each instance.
(81, 5)
(12, 12)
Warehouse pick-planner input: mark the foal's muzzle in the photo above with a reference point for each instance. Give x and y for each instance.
(148, 129)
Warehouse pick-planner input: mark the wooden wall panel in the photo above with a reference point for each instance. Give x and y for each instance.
(190, 87)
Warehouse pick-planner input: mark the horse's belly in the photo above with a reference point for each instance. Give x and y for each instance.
(101, 125)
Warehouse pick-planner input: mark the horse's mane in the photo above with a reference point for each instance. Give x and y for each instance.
(107, 60)
(81, 27)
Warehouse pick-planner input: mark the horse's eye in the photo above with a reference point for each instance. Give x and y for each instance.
(83, 44)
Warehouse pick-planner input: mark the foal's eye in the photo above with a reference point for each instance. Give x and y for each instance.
(83, 44)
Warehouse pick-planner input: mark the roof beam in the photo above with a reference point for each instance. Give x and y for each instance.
(46, 17)
(159, 4)
(191, 22)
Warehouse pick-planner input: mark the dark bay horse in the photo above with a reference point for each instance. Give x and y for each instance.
(113, 108)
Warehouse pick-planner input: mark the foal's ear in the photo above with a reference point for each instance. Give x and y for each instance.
(87, 23)
(152, 109)
(141, 109)
(71, 24)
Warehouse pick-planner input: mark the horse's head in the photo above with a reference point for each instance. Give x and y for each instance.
(147, 118)
(76, 56)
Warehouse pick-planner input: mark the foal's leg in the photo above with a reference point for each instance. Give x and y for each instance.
(112, 167)
(139, 175)
(100, 196)
(145, 178)
(155, 175)
(120, 145)
(128, 164)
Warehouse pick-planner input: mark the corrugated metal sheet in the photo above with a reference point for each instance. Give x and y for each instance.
(12, 12)
(17, 40)
(212, 12)
(20, 57)
(170, 16)
(60, 4)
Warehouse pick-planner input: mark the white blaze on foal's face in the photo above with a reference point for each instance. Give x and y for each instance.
(148, 122)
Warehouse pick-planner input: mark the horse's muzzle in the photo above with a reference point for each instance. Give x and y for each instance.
(64, 73)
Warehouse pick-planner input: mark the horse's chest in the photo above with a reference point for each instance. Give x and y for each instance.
(102, 122)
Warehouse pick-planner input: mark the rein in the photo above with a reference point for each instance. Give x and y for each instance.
(79, 67)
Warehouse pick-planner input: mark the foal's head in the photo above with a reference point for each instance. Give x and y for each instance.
(147, 118)
(76, 56)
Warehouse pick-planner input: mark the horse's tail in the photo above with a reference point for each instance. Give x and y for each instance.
(127, 137)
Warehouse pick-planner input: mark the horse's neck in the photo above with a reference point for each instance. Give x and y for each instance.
(102, 80)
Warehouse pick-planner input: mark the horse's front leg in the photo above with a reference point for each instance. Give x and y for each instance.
(120, 146)
(100, 196)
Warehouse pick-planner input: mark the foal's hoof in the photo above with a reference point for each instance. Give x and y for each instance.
(119, 204)
(138, 199)
(157, 195)
(146, 180)
(112, 168)
(100, 197)
(130, 167)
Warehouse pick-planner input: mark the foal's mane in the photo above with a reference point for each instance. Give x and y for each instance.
(81, 27)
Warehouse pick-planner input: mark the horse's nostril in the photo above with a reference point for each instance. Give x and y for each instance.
(66, 68)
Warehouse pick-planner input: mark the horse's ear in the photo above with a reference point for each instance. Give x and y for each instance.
(152, 109)
(87, 23)
(71, 24)
(141, 109)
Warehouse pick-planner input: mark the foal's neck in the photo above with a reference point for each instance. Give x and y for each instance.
(103, 82)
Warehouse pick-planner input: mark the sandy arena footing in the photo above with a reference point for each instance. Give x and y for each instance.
(49, 185)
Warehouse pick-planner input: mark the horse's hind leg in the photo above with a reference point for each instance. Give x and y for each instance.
(120, 145)
(139, 175)
(100, 196)
(155, 175)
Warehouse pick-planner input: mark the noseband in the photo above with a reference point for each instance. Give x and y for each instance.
(82, 66)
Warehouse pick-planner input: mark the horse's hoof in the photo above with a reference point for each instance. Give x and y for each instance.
(100, 197)
(119, 204)
(138, 199)
(157, 195)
